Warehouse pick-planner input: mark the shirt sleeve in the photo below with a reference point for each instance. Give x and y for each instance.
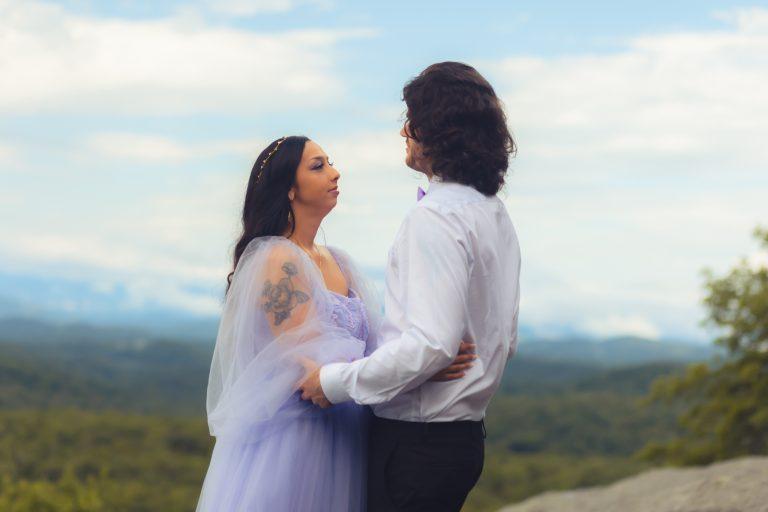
(433, 274)
(513, 339)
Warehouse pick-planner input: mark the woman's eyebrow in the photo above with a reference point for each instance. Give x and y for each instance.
(318, 157)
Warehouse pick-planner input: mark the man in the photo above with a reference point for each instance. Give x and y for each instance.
(452, 275)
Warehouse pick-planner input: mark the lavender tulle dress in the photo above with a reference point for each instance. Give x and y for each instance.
(313, 460)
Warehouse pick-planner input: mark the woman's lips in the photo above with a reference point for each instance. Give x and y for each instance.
(334, 191)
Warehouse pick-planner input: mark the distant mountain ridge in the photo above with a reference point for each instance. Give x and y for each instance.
(616, 351)
(108, 304)
(25, 328)
(64, 300)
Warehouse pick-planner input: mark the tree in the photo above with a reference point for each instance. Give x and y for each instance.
(726, 401)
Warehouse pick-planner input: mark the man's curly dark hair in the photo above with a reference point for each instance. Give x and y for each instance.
(456, 117)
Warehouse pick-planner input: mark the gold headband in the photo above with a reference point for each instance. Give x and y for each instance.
(266, 159)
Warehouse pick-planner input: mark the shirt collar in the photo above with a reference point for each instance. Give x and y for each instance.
(435, 182)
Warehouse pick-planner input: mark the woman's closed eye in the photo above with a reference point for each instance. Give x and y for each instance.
(320, 165)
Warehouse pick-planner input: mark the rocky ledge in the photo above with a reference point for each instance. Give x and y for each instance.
(738, 485)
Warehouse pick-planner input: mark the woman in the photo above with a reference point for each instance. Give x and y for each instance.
(290, 301)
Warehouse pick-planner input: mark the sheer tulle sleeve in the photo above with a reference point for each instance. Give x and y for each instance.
(277, 311)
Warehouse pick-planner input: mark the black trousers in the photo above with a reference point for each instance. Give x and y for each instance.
(424, 467)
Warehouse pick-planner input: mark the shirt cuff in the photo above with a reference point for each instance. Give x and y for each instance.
(332, 383)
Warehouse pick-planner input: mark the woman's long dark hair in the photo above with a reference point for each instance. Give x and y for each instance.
(267, 210)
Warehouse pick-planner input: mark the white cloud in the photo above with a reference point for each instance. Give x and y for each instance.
(637, 169)
(750, 20)
(164, 293)
(166, 248)
(149, 148)
(758, 260)
(6, 153)
(9, 199)
(65, 62)
(106, 255)
(617, 251)
(247, 8)
(676, 95)
(633, 325)
(140, 147)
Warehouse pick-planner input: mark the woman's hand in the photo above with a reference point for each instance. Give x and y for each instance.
(456, 369)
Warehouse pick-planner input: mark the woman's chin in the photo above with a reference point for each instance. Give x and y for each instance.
(331, 204)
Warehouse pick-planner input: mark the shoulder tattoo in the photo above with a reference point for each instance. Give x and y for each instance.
(283, 297)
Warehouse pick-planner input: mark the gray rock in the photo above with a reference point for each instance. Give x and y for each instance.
(738, 485)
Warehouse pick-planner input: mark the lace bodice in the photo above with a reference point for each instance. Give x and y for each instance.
(349, 313)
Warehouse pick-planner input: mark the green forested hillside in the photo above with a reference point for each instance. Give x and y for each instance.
(74, 460)
(162, 377)
(120, 426)
(577, 433)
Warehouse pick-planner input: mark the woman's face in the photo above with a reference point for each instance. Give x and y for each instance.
(317, 181)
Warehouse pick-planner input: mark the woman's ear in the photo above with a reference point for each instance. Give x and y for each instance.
(291, 194)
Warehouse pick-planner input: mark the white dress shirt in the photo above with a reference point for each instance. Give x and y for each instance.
(452, 275)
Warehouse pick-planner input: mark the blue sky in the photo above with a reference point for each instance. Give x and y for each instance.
(128, 129)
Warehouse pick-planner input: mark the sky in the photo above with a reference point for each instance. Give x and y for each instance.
(128, 131)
